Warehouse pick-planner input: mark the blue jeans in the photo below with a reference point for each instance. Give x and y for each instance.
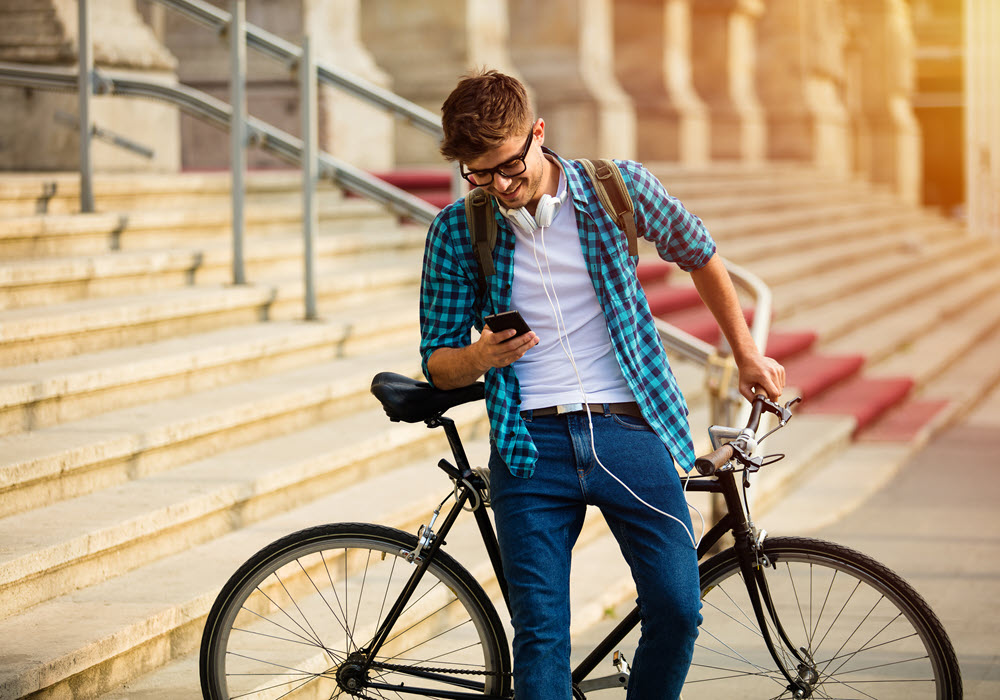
(538, 521)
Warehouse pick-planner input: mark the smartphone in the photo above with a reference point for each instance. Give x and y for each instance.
(505, 320)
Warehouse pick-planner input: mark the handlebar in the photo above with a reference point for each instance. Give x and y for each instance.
(709, 464)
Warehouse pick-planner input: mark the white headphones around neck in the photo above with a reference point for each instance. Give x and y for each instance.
(545, 213)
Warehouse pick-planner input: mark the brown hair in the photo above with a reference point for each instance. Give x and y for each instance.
(484, 109)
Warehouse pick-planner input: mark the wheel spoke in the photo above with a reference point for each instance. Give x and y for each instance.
(824, 597)
(272, 636)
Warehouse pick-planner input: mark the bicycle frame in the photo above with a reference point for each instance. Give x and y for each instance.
(735, 521)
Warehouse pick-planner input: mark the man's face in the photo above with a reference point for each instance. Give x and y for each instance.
(517, 190)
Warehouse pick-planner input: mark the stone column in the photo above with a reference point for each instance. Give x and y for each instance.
(348, 128)
(653, 64)
(982, 118)
(426, 47)
(799, 78)
(565, 50)
(30, 136)
(725, 63)
(888, 146)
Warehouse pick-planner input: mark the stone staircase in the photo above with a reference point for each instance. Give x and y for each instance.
(160, 425)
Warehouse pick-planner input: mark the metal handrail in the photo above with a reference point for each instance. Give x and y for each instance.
(288, 53)
(723, 393)
(218, 113)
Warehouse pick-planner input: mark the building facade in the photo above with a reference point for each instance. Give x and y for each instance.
(845, 85)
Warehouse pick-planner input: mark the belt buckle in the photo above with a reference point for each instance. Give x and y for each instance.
(568, 408)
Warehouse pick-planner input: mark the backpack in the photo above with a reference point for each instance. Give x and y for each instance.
(611, 190)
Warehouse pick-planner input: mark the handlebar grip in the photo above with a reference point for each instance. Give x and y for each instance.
(710, 463)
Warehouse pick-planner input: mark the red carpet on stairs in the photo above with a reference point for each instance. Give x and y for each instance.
(906, 422)
(782, 345)
(865, 398)
(830, 384)
(812, 373)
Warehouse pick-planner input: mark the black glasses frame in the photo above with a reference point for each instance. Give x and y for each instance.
(508, 169)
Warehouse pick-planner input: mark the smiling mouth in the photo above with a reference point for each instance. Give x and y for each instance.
(511, 193)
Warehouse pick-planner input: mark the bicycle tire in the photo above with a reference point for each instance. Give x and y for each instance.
(287, 622)
(866, 631)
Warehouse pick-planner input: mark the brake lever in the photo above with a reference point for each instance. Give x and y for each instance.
(786, 414)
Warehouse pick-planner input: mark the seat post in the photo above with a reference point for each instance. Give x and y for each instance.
(461, 460)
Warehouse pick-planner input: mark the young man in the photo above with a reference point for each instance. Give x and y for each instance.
(593, 344)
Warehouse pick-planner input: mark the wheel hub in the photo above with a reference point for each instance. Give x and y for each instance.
(352, 675)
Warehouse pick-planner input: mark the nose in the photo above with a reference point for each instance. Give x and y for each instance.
(501, 182)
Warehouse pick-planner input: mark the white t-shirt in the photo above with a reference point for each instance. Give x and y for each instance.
(545, 374)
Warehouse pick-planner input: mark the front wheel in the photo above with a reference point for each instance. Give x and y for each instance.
(297, 619)
(861, 631)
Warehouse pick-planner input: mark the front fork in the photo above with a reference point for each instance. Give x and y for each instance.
(749, 547)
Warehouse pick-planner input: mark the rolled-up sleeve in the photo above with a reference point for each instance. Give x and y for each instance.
(679, 235)
(447, 293)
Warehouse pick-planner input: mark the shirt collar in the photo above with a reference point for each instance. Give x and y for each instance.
(574, 181)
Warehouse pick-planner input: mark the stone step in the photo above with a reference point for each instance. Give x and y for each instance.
(737, 177)
(33, 335)
(74, 234)
(775, 241)
(24, 194)
(909, 322)
(866, 294)
(724, 203)
(136, 622)
(797, 263)
(53, 280)
(820, 222)
(80, 457)
(962, 385)
(42, 394)
(932, 352)
(803, 303)
(56, 549)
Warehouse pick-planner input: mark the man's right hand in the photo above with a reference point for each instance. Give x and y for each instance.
(502, 349)
(452, 368)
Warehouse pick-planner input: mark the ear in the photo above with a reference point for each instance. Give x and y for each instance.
(539, 131)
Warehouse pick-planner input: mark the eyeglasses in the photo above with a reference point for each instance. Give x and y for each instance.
(512, 167)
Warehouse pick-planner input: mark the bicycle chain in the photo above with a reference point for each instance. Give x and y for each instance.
(401, 667)
(454, 671)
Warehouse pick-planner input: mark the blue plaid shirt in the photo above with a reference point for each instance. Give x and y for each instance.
(450, 305)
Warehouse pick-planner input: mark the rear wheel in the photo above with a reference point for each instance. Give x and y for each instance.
(296, 619)
(864, 632)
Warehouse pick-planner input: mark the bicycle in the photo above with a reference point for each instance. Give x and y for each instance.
(367, 611)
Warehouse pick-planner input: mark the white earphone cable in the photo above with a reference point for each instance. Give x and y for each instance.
(561, 332)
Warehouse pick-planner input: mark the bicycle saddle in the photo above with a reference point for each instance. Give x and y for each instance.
(411, 401)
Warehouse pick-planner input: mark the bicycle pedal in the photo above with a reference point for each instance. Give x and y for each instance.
(621, 663)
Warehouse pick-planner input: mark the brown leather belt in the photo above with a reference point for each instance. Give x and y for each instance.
(623, 409)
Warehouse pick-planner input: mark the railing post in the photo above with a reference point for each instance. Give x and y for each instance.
(85, 88)
(310, 169)
(238, 130)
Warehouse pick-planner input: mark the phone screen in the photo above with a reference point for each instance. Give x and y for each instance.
(507, 319)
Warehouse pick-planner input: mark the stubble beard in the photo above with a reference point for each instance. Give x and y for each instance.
(529, 189)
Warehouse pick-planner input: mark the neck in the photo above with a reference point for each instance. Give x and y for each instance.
(550, 181)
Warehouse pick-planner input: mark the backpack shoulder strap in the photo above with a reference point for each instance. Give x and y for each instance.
(614, 196)
(482, 231)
